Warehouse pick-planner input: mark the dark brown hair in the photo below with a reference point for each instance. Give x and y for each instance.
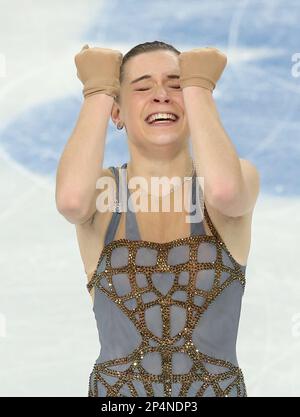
(140, 49)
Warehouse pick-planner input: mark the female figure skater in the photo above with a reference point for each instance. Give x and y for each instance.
(166, 292)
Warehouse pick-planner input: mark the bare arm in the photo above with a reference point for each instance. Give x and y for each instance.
(80, 164)
(230, 184)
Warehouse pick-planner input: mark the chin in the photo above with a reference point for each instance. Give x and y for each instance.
(163, 138)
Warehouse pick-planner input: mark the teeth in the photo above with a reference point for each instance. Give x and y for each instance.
(156, 116)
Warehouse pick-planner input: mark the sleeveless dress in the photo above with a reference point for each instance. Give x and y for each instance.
(167, 314)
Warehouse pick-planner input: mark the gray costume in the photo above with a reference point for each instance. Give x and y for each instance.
(167, 314)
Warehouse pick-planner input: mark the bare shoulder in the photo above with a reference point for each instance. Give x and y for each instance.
(95, 215)
(91, 232)
(234, 231)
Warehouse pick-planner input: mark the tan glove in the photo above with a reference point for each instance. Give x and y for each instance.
(201, 67)
(99, 70)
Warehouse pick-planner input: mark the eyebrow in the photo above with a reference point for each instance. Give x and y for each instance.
(146, 76)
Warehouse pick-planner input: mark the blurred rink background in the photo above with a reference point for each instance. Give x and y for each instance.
(48, 335)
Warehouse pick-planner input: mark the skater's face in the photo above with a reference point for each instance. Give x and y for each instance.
(151, 85)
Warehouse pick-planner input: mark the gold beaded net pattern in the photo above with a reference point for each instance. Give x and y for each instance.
(167, 316)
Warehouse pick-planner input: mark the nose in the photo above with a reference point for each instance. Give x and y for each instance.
(161, 94)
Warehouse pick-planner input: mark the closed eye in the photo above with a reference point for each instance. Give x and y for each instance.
(143, 89)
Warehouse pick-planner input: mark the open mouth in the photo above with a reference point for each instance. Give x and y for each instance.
(160, 123)
(163, 122)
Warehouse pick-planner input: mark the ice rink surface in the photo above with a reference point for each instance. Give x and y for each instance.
(48, 335)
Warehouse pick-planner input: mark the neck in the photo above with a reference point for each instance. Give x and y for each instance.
(184, 169)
